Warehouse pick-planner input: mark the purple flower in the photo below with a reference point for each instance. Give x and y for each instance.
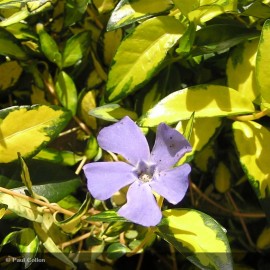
(144, 171)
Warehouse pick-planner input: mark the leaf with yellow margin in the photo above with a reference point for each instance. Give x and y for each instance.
(27, 129)
(197, 236)
(252, 143)
(205, 100)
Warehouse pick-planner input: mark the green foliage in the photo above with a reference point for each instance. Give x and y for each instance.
(69, 68)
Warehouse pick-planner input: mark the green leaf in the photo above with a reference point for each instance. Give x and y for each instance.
(10, 73)
(74, 223)
(185, 6)
(74, 10)
(3, 209)
(211, 8)
(25, 175)
(189, 127)
(204, 100)
(219, 37)
(262, 72)
(27, 243)
(241, 69)
(75, 48)
(107, 216)
(59, 157)
(49, 46)
(48, 233)
(52, 181)
(251, 140)
(26, 10)
(116, 250)
(21, 207)
(9, 46)
(112, 112)
(129, 11)
(66, 91)
(198, 236)
(39, 124)
(134, 65)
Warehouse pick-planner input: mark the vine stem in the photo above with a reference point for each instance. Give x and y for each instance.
(234, 213)
(36, 201)
(244, 226)
(250, 117)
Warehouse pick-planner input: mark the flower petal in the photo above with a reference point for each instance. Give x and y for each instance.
(169, 147)
(106, 178)
(125, 138)
(141, 206)
(172, 184)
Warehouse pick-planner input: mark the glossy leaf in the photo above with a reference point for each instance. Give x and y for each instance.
(21, 207)
(49, 46)
(241, 69)
(211, 8)
(134, 65)
(262, 63)
(66, 91)
(75, 48)
(130, 11)
(73, 224)
(86, 103)
(59, 157)
(9, 46)
(26, 10)
(27, 243)
(204, 100)
(107, 216)
(3, 209)
(198, 236)
(116, 250)
(10, 73)
(251, 140)
(202, 132)
(112, 112)
(37, 127)
(25, 175)
(111, 41)
(46, 234)
(219, 37)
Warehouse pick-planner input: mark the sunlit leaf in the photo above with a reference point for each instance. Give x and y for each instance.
(38, 125)
(241, 69)
(127, 12)
(21, 207)
(204, 100)
(107, 216)
(112, 112)
(74, 223)
(75, 48)
(66, 91)
(251, 140)
(47, 233)
(9, 46)
(134, 65)
(49, 46)
(59, 157)
(10, 73)
(262, 72)
(198, 236)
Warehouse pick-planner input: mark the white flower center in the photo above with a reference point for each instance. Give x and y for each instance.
(144, 177)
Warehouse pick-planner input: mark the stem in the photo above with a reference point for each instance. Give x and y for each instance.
(36, 201)
(78, 170)
(234, 213)
(244, 226)
(147, 238)
(82, 125)
(250, 117)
